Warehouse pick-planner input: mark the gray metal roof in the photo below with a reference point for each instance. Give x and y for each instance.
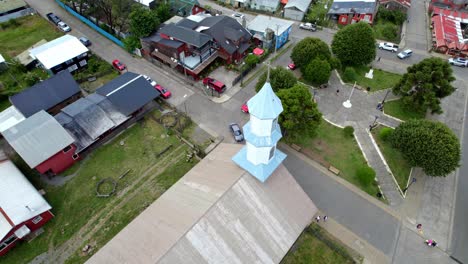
(45, 94)
(186, 35)
(216, 213)
(128, 92)
(8, 5)
(301, 5)
(89, 118)
(347, 7)
(260, 23)
(266, 3)
(38, 138)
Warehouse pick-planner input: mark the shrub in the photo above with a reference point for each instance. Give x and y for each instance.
(366, 175)
(348, 131)
(349, 74)
(385, 133)
(335, 63)
(317, 71)
(389, 32)
(251, 60)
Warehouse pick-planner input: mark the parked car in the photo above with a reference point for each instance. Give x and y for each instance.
(457, 61)
(292, 66)
(214, 84)
(63, 26)
(238, 15)
(405, 54)
(308, 26)
(388, 46)
(236, 132)
(245, 108)
(164, 92)
(85, 41)
(53, 18)
(118, 65)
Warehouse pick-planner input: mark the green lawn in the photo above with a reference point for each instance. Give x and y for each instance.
(395, 160)
(397, 109)
(331, 147)
(315, 245)
(75, 205)
(382, 79)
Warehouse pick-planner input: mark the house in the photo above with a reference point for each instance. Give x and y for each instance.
(266, 30)
(50, 95)
(296, 9)
(265, 5)
(10, 9)
(351, 11)
(448, 36)
(42, 143)
(128, 93)
(447, 4)
(183, 7)
(64, 53)
(23, 211)
(10, 117)
(402, 5)
(25, 59)
(193, 43)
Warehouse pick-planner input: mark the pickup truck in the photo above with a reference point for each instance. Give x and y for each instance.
(53, 18)
(308, 26)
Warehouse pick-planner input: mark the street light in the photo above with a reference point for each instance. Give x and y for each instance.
(374, 124)
(412, 181)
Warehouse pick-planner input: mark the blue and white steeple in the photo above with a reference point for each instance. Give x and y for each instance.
(260, 157)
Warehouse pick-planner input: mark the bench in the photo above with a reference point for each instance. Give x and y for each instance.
(334, 170)
(296, 147)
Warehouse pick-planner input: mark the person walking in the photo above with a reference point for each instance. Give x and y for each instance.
(325, 218)
(419, 227)
(317, 218)
(378, 59)
(337, 91)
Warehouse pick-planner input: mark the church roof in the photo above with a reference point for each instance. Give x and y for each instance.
(265, 104)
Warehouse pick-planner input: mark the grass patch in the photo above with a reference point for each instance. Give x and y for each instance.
(331, 147)
(386, 30)
(399, 110)
(400, 167)
(75, 203)
(315, 245)
(382, 79)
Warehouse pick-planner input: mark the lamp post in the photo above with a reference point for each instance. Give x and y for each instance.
(374, 124)
(412, 181)
(347, 103)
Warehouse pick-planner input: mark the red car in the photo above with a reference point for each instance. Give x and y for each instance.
(292, 66)
(118, 65)
(164, 92)
(245, 108)
(214, 84)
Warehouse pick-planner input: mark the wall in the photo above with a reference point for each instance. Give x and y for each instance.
(75, 63)
(56, 109)
(293, 13)
(58, 163)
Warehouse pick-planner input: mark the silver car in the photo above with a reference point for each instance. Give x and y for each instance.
(460, 62)
(64, 27)
(236, 132)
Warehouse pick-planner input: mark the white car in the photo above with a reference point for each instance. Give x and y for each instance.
(308, 26)
(405, 54)
(388, 46)
(64, 27)
(460, 62)
(238, 16)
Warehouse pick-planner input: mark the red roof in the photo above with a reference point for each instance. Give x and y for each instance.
(448, 12)
(445, 28)
(405, 3)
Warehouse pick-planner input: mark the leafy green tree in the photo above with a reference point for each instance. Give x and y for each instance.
(318, 71)
(429, 145)
(308, 49)
(280, 78)
(163, 11)
(142, 21)
(251, 60)
(349, 75)
(131, 43)
(425, 84)
(301, 116)
(354, 44)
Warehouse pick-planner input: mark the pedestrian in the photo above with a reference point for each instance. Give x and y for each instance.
(325, 218)
(433, 244)
(337, 91)
(419, 226)
(317, 218)
(378, 59)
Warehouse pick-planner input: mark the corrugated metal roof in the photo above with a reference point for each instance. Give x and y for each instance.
(302, 5)
(58, 51)
(265, 3)
(37, 138)
(217, 213)
(265, 104)
(186, 35)
(261, 23)
(353, 6)
(46, 94)
(10, 117)
(18, 198)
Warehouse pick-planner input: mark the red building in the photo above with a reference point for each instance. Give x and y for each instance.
(23, 211)
(350, 12)
(448, 31)
(42, 143)
(447, 4)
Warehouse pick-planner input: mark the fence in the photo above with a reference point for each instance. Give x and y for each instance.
(91, 24)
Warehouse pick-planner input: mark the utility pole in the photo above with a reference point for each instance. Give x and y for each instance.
(276, 38)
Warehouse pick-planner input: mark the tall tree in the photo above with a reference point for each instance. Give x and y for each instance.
(104, 7)
(308, 49)
(122, 9)
(301, 116)
(280, 78)
(142, 21)
(429, 145)
(425, 84)
(317, 71)
(163, 11)
(354, 44)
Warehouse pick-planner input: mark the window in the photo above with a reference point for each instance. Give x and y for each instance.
(7, 242)
(37, 219)
(273, 124)
(75, 156)
(66, 149)
(272, 153)
(72, 68)
(83, 63)
(68, 62)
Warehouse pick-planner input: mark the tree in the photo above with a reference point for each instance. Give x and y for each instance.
(280, 78)
(429, 145)
(163, 11)
(142, 21)
(318, 71)
(308, 49)
(425, 84)
(301, 116)
(354, 44)
(131, 43)
(251, 60)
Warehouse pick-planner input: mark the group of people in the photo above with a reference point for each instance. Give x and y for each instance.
(429, 242)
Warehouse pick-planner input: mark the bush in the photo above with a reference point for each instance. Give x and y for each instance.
(335, 63)
(365, 175)
(349, 75)
(317, 71)
(251, 60)
(348, 131)
(385, 133)
(389, 31)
